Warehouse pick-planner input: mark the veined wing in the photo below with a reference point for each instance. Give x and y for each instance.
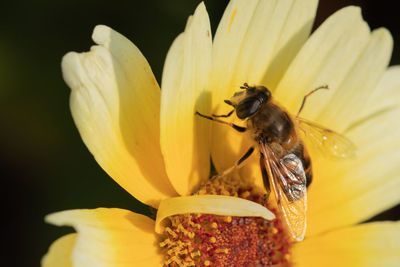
(330, 143)
(288, 181)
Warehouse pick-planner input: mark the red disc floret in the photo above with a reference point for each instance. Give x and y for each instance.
(212, 240)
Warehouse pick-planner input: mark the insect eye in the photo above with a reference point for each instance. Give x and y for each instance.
(248, 107)
(267, 93)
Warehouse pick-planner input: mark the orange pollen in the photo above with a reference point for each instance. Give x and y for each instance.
(211, 240)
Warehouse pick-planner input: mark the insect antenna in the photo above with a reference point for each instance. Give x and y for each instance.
(245, 86)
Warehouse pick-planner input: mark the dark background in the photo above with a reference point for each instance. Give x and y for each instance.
(45, 166)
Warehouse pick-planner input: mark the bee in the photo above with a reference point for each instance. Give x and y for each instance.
(284, 160)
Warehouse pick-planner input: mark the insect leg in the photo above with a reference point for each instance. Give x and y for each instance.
(236, 165)
(265, 174)
(265, 179)
(223, 116)
(307, 95)
(234, 126)
(229, 170)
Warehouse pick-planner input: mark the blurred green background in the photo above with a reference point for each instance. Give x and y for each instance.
(45, 165)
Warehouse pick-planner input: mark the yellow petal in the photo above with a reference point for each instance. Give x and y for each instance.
(255, 42)
(345, 192)
(60, 252)
(115, 104)
(210, 204)
(185, 136)
(349, 101)
(326, 58)
(110, 237)
(349, 191)
(343, 54)
(372, 244)
(386, 95)
(276, 32)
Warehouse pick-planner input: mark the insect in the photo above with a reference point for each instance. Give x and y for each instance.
(284, 161)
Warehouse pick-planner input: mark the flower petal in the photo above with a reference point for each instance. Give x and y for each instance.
(387, 93)
(347, 192)
(185, 136)
(256, 40)
(210, 204)
(111, 237)
(343, 54)
(60, 252)
(254, 43)
(327, 58)
(349, 100)
(353, 190)
(372, 244)
(115, 105)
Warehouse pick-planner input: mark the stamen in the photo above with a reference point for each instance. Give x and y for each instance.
(211, 240)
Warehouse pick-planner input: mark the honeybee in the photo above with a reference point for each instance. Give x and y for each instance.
(284, 161)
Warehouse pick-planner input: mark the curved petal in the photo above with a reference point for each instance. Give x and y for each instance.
(372, 244)
(60, 252)
(343, 54)
(185, 136)
(349, 101)
(111, 237)
(328, 57)
(115, 104)
(356, 189)
(210, 204)
(255, 42)
(386, 95)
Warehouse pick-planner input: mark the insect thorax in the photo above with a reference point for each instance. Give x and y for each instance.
(271, 124)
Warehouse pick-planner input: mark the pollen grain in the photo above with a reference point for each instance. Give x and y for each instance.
(211, 240)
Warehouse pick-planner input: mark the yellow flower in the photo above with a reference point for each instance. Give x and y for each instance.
(150, 142)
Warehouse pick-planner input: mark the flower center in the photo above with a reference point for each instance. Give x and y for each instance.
(212, 240)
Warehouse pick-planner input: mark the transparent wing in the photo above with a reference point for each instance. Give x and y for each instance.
(330, 143)
(288, 181)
